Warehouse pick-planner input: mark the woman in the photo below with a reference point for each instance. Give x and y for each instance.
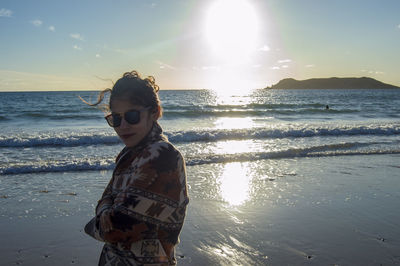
(141, 212)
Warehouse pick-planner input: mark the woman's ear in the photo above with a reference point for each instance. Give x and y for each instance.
(155, 114)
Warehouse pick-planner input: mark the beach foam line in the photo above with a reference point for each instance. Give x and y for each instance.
(292, 153)
(239, 112)
(49, 167)
(289, 132)
(343, 149)
(205, 135)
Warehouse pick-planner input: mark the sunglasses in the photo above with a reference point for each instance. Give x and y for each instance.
(131, 116)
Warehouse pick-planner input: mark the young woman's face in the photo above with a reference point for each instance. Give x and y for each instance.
(130, 134)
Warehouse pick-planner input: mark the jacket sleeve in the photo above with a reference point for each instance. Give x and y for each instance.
(92, 228)
(106, 200)
(154, 199)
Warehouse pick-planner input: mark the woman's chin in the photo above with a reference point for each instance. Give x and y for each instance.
(130, 143)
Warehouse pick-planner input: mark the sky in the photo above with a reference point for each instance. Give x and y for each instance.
(188, 44)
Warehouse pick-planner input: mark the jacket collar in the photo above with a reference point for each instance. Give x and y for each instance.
(155, 134)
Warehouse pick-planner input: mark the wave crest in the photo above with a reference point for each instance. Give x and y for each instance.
(343, 149)
(213, 135)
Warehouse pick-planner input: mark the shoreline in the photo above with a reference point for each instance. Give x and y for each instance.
(316, 211)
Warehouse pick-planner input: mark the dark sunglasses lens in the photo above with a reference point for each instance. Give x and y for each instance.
(109, 120)
(116, 120)
(113, 120)
(132, 117)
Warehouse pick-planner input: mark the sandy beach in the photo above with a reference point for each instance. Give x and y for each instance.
(340, 210)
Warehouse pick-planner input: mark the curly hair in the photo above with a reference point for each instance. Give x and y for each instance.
(137, 90)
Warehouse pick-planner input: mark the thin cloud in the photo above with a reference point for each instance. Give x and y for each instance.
(76, 36)
(275, 68)
(265, 48)
(5, 13)
(76, 47)
(98, 55)
(52, 28)
(37, 22)
(24, 81)
(371, 71)
(165, 66)
(210, 68)
(309, 66)
(284, 61)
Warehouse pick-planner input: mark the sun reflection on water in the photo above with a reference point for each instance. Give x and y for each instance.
(234, 146)
(235, 181)
(234, 122)
(236, 109)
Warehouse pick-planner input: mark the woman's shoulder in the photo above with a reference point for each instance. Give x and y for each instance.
(168, 167)
(158, 151)
(163, 150)
(160, 169)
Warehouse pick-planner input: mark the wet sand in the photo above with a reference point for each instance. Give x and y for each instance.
(329, 211)
(309, 211)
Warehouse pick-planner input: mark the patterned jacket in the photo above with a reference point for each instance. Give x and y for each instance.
(146, 202)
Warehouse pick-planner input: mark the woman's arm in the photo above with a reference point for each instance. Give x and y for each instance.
(154, 198)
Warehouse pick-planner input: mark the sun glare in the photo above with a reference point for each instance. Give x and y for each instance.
(231, 32)
(235, 183)
(231, 29)
(234, 122)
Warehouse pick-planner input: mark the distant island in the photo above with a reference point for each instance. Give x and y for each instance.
(332, 83)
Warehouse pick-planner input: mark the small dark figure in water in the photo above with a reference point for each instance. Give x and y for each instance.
(327, 107)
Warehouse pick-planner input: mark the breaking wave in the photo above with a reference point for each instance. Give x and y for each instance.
(42, 139)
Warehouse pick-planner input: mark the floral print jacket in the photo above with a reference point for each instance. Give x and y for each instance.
(145, 201)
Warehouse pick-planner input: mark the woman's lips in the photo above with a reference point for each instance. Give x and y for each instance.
(125, 136)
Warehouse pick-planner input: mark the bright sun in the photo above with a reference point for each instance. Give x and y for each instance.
(231, 29)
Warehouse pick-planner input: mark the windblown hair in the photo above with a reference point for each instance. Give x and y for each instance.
(133, 88)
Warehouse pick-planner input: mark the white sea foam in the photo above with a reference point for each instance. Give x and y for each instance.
(340, 149)
(284, 132)
(56, 166)
(65, 140)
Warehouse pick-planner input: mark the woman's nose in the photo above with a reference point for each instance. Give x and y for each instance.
(124, 124)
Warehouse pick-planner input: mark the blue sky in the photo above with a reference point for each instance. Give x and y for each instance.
(187, 44)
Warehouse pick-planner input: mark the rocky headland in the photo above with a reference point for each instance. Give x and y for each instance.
(332, 83)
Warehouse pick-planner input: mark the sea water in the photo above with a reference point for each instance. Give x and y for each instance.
(55, 132)
(332, 173)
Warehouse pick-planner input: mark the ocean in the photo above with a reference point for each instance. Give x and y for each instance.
(57, 132)
(255, 148)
